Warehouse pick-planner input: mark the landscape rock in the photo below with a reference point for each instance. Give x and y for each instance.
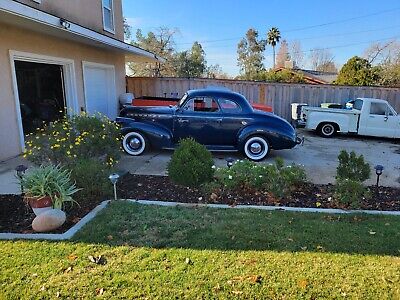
(49, 220)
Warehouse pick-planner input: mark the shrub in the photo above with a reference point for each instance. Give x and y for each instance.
(78, 137)
(191, 164)
(352, 167)
(91, 176)
(349, 192)
(273, 178)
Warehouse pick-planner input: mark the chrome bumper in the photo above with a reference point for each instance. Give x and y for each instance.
(300, 141)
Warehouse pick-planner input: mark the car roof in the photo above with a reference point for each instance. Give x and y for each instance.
(214, 92)
(372, 99)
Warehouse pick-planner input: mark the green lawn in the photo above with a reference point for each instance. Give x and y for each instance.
(172, 253)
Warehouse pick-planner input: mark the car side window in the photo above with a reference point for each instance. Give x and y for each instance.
(229, 106)
(357, 104)
(201, 104)
(380, 109)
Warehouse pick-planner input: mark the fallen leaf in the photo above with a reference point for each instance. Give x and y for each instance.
(72, 257)
(319, 247)
(290, 240)
(214, 196)
(69, 269)
(317, 204)
(372, 232)
(303, 283)
(58, 294)
(99, 291)
(237, 292)
(42, 288)
(303, 248)
(110, 237)
(188, 261)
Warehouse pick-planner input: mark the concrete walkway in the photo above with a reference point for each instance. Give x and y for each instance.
(8, 182)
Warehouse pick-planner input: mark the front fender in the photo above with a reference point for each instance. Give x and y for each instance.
(158, 136)
(278, 138)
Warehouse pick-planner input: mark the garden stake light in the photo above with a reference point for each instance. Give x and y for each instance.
(114, 178)
(378, 171)
(20, 172)
(229, 162)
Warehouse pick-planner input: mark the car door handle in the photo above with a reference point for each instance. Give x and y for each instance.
(386, 118)
(183, 120)
(219, 120)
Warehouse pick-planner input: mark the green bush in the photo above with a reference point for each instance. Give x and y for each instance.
(91, 176)
(273, 178)
(351, 172)
(352, 167)
(191, 164)
(349, 192)
(71, 139)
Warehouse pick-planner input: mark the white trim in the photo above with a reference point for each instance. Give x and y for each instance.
(30, 13)
(112, 88)
(111, 9)
(71, 95)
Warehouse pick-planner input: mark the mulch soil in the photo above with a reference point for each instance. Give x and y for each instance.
(17, 217)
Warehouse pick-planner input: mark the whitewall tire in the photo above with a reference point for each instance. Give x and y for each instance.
(327, 130)
(134, 143)
(256, 148)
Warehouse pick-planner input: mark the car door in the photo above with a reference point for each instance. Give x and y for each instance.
(199, 118)
(233, 120)
(381, 120)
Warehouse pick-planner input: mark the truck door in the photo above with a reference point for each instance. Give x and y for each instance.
(380, 120)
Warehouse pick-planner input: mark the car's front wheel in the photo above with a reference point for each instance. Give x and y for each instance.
(256, 148)
(134, 143)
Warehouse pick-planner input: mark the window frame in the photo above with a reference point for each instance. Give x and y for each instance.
(227, 111)
(201, 112)
(111, 10)
(387, 109)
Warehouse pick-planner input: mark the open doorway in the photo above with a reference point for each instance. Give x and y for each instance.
(41, 93)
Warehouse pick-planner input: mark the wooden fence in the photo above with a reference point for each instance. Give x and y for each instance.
(277, 95)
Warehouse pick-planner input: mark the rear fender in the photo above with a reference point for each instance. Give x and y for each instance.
(277, 138)
(158, 136)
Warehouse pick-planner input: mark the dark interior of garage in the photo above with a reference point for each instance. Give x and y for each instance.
(41, 94)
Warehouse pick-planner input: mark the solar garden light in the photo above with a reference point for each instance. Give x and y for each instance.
(229, 162)
(20, 172)
(378, 170)
(114, 178)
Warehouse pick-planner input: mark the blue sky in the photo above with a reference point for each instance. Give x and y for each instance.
(316, 24)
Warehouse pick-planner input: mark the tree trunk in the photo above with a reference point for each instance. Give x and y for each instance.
(273, 54)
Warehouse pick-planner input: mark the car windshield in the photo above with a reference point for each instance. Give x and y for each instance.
(182, 100)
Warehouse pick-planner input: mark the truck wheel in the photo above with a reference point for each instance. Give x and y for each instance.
(256, 148)
(327, 130)
(134, 143)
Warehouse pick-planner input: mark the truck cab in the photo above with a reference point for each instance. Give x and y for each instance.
(366, 116)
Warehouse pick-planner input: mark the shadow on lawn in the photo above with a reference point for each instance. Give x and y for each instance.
(227, 229)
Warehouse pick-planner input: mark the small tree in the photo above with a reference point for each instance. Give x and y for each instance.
(358, 71)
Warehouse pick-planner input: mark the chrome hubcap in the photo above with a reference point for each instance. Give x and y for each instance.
(255, 148)
(328, 129)
(135, 143)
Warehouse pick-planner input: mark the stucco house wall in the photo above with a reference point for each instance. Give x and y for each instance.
(13, 38)
(87, 13)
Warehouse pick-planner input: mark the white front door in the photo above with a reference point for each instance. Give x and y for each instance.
(99, 81)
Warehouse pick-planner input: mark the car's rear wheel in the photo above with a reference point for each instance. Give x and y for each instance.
(256, 148)
(327, 130)
(134, 143)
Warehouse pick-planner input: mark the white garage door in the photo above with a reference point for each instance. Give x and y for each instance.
(99, 81)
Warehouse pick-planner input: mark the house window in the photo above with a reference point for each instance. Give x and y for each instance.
(108, 15)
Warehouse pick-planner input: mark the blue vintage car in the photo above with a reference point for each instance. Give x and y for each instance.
(221, 120)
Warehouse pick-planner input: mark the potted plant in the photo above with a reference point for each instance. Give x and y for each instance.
(46, 187)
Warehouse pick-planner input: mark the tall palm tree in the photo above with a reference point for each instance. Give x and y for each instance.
(273, 37)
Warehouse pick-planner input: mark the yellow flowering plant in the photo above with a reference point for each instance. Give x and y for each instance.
(78, 137)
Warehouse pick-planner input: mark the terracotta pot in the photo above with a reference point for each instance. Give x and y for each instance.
(39, 204)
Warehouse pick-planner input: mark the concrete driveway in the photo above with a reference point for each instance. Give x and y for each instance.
(318, 155)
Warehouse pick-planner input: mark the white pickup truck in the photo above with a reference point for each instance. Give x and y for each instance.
(367, 116)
